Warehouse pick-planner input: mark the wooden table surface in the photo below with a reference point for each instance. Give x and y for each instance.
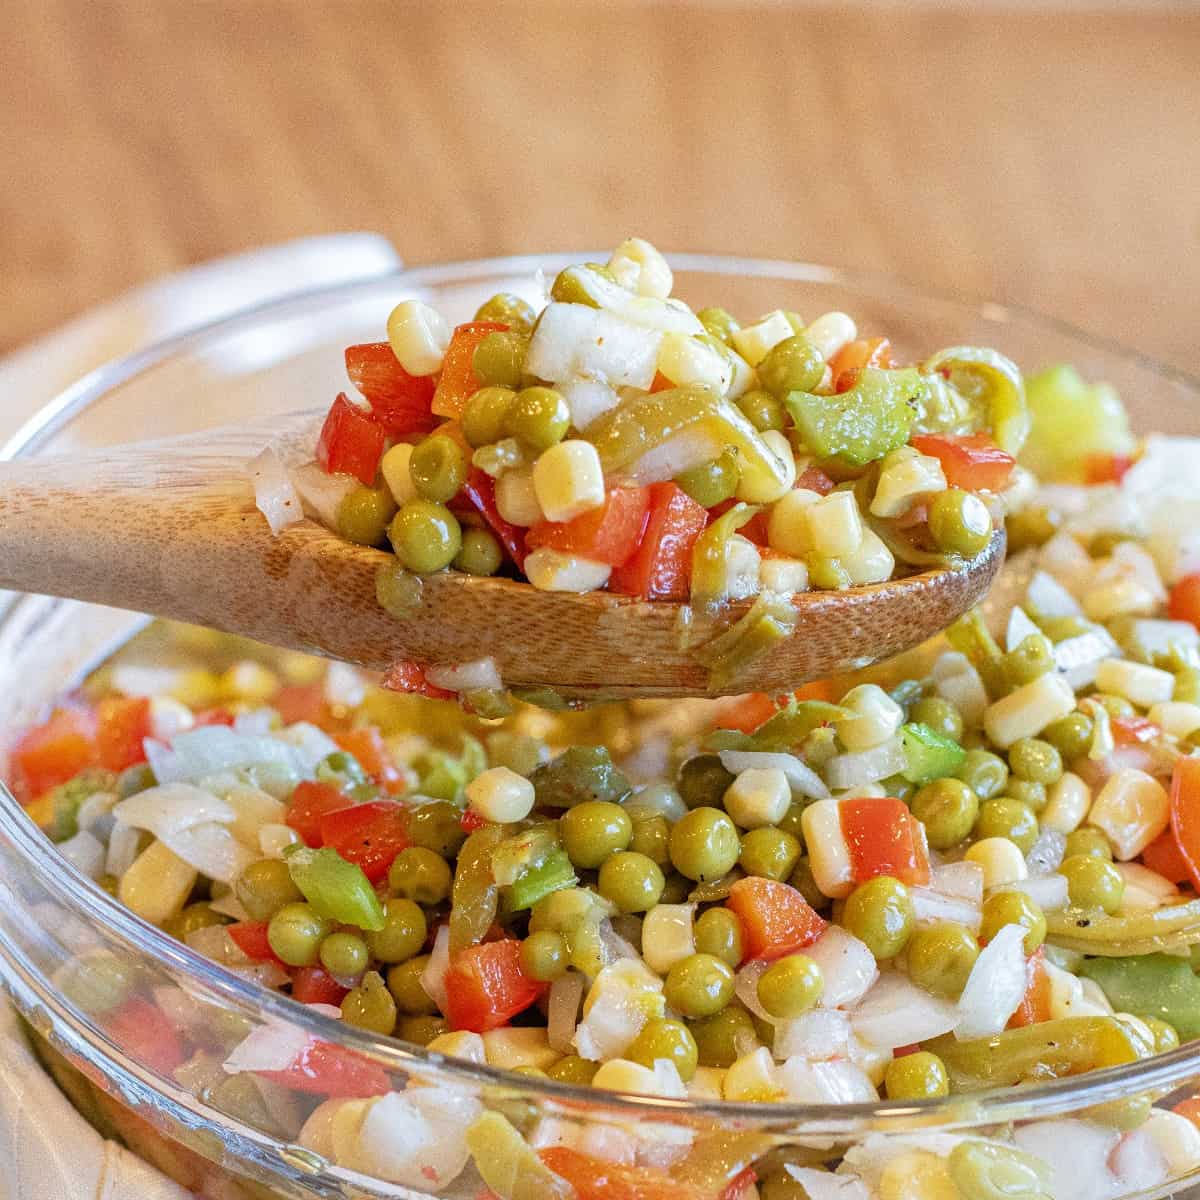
(1047, 158)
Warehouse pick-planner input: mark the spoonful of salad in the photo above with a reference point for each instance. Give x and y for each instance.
(615, 496)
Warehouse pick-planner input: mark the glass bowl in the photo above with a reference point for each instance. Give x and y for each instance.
(67, 948)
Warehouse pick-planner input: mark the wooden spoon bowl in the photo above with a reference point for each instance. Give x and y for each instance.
(171, 528)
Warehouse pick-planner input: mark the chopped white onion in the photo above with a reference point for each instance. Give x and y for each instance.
(802, 779)
(480, 675)
(257, 722)
(866, 766)
(95, 813)
(433, 978)
(562, 1012)
(230, 906)
(122, 850)
(144, 682)
(85, 853)
(573, 340)
(322, 494)
(588, 399)
(310, 743)
(1049, 598)
(1077, 1153)
(273, 840)
(210, 849)
(274, 493)
(895, 1012)
(828, 1082)
(817, 1034)
(1046, 854)
(173, 807)
(1019, 628)
(691, 448)
(847, 966)
(932, 908)
(201, 752)
(272, 1046)
(745, 986)
(961, 880)
(995, 986)
(824, 1185)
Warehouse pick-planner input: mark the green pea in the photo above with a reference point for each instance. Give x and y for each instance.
(135, 779)
(1033, 795)
(582, 284)
(194, 917)
(517, 751)
(438, 467)
(420, 874)
(426, 536)
(940, 715)
(1014, 908)
(984, 773)
(483, 419)
(724, 1037)
(948, 809)
(704, 845)
(573, 1069)
(592, 831)
(264, 887)
(672, 1040)
(295, 934)
(99, 982)
(719, 932)
(343, 771)
(1088, 841)
(544, 955)
(403, 934)
(794, 365)
(676, 889)
(703, 781)
(1115, 706)
(919, 1076)
(633, 882)
(499, 359)
(480, 553)
(986, 1171)
(539, 418)
(437, 827)
(719, 323)
(505, 308)
(713, 482)
(420, 1031)
(344, 955)
(699, 985)
(762, 410)
(959, 522)
(363, 516)
(880, 914)
(1093, 882)
(1165, 1036)
(899, 787)
(804, 882)
(1007, 818)
(1030, 660)
(769, 852)
(404, 982)
(793, 820)
(1071, 735)
(579, 773)
(1187, 686)
(651, 834)
(940, 958)
(790, 986)
(1035, 760)
(1031, 527)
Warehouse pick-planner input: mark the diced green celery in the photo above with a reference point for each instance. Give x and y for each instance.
(771, 620)
(785, 730)
(969, 635)
(508, 1165)
(1150, 985)
(522, 851)
(928, 754)
(441, 776)
(580, 773)
(474, 898)
(551, 875)
(337, 889)
(993, 387)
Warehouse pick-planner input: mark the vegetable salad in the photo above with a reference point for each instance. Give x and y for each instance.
(977, 866)
(617, 439)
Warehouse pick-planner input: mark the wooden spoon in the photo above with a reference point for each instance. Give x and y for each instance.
(171, 528)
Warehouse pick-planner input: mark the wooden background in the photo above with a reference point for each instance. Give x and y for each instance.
(1049, 157)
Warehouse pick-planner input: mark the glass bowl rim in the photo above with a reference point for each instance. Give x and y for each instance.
(990, 1106)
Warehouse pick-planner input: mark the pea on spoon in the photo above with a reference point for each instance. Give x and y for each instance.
(171, 528)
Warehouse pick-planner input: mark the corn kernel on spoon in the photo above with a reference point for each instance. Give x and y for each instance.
(171, 528)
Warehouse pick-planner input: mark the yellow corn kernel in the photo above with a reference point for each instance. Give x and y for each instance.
(1132, 809)
(758, 796)
(917, 1175)
(1027, 711)
(742, 564)
(835, 525)
(157, 885)
(551, 571)
(419, 336)
(248, 680)
(621, 1075)
(782, 449)
(500, 796)
(641, 267)
(1001, 860)
(568, 480)
(518, 1047)
(667, 936)
(516, 498)
(872, 562)
(1177, 718)
(828, 854)
(1067, 998)
(753, 342)
(1070, 799)
(830, 332)
(906, 478)
(708, 1083)
(752, 1077)
(460, 1044)
(783, 576)
(1136, 682)
(787, 524)
(876, 718)
(396, 474)
(684, 359)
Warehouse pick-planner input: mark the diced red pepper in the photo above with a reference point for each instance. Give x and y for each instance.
(905, 1051)
(661, 567)
(471, 820)
(122, 725)
(351, 442)
(1184, 602)
(213, 716)
(776, 919)
(486, 986)
(311, 802)
(813, 479)
(1105, 468)
(1035, 1004)
(304, 702)
(599, 1179)
(458, 381)
(754, 530)
(747, 713)
(480, 489)
(883, 838)
(817, 689)
(250, 937)
(1164, 856)
(315, 985)
(52, 753)
(972, 461)
(845, 365)
(609, 534)
(368, 748)
(1133, 731)
(1189, 1108)
(368, 835)
(1185, 814)
(148, 1035)
(323, 1069)
(660, 383)
(410, 677)
(741, 1185)
(400, 401)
